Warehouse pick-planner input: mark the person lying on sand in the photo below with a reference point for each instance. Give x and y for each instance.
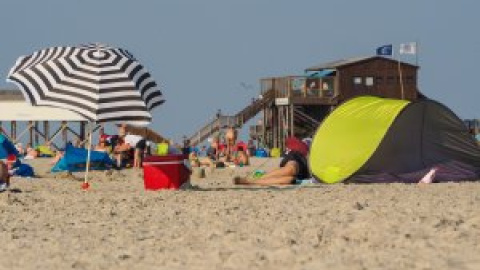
(294, 169)
(294, 166)
(32, 153)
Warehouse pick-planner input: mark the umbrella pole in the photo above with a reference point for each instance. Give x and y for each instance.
(88, 153)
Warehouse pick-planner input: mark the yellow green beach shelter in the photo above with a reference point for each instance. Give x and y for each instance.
(376, 136)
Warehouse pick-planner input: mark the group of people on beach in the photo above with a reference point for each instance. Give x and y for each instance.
(126, 149)
(28, 152)
(222, 151)
(129, 150)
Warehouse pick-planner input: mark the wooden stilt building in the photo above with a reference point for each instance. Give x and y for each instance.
(302, 102)
(35, 123)
(296, 105)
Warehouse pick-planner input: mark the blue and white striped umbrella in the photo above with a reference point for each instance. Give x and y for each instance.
(100, 82)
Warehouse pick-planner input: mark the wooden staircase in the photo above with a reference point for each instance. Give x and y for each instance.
(237, 120)
(305, 124)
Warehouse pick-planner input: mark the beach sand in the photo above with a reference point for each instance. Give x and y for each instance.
(51, 223)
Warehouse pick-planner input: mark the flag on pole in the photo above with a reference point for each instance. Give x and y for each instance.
(408, 48)
(385, 50)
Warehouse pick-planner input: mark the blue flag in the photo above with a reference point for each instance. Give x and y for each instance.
(385, 50)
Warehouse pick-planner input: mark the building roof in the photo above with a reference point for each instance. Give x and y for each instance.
(10, 94)
(15, 108)
(20, 110)
(350, 61)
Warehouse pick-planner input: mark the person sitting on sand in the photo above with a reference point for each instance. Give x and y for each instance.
(294, 166)
(241, 157)
(203, 151)
(186, 148)
(138, 144)
(110, 140)
(20, 149)
(102, 145)
(251, 148)
(195, 161)
(231, 138)
(17, 168)
(4, 177)
(213, 151)
(121, 153)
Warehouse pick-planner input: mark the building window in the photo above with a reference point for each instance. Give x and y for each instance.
(369, 81)
(357, 80)
(378, 80)
(313, 87)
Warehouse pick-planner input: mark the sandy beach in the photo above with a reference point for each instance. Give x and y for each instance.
(51, 223)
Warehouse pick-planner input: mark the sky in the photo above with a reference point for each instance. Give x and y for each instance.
(210, 54)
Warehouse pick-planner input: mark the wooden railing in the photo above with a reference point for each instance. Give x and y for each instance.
(253, 109)
(300, 86)
(237, 121)
(211, 128)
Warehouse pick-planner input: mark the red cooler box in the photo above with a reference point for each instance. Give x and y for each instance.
(165, 172)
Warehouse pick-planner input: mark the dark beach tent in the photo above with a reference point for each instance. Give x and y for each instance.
(376, 140)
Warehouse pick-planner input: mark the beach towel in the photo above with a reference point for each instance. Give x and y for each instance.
(306, 181)
(45, 151)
